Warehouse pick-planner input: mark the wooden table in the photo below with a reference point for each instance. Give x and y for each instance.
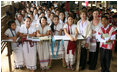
(65, 38)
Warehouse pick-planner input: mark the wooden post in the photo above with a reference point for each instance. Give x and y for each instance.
(78, 55)
(9, 56)
(91, 3)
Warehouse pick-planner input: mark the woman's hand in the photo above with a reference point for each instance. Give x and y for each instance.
(40, 35)
(75, 39)
(86, 45)
(71, 38)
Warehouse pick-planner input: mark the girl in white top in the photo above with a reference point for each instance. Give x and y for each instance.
(52, 7)
(35, 14)
(34, 23)
(57, 12)
(39, 17)
(12, 33)
(27, 10)
(19, 19)
(51, 17)
(62, 20)
(24, 14)
(55, 4)
(84, 29)
(29, 47)
(43, 46)
(48, 16)
(39, 11)
(70, 46)
(56, 29)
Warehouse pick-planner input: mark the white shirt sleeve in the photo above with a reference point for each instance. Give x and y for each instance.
(7, 32)
(37, 28)
(65, 26)
(21, 29)
(59, 27)
(17, 29)
(48, 28)
(34, 29)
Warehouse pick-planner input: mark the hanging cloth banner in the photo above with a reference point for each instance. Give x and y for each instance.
(52, 47)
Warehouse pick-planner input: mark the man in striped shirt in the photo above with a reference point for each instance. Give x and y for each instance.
(106, 36)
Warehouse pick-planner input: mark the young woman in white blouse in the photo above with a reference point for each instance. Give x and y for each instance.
(35, 14)
(19, 19)
(34, 23)
(70, 46)
(12, 33)
(29, 47)
(62, 20)
(43, 47)
(56, 29)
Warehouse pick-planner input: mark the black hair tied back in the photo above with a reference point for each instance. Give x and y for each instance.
(10, 22)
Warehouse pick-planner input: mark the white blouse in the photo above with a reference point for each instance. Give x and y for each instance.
(71, 28)
(82, 27)
(44, 30)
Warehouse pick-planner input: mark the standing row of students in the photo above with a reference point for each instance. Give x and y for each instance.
(40, 24)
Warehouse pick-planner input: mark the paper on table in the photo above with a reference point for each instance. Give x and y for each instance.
(39, 38)
(33, 38)
(66, 37)
(45, 38)
(57, 37)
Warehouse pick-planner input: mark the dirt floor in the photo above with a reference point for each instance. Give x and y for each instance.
(56, 65)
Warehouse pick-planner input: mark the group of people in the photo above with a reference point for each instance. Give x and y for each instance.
(40, 21)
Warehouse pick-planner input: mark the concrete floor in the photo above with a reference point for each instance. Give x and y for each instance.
(56, 65)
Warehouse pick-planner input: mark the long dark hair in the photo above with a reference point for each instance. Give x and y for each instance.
(64, 16)
(91, 18)
(27, 17)
(52, 25)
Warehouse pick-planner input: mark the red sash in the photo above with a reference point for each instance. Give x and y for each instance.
(30, 42)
